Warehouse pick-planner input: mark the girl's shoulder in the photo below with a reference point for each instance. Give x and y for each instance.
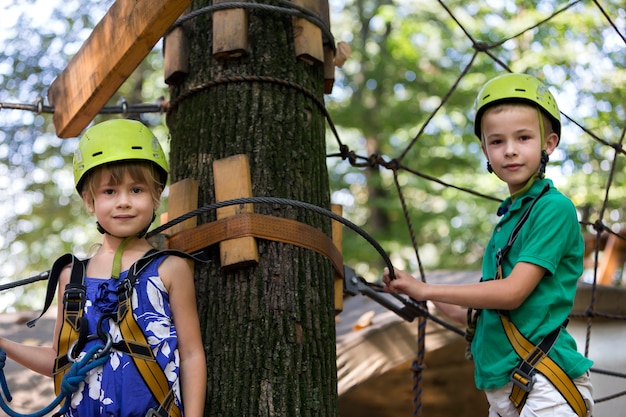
(174, 267)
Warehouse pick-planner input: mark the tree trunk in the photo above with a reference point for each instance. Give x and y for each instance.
(268, 330)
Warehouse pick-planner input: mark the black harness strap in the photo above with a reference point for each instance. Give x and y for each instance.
(518, 227)
(77, 293)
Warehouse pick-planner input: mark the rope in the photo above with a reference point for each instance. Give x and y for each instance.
(288, 8)
(71, 383)
(125, 109)
(374, 160)
(280, 201)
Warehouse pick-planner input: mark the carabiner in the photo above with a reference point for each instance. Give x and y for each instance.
(106, 349)
(72, 357)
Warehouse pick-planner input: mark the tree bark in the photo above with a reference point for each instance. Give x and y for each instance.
(268, 330)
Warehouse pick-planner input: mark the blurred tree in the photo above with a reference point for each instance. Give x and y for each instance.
(41, 215)
(406, 57)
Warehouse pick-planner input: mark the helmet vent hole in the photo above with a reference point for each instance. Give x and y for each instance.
(520, 89)
(136, 147)
(97, 154)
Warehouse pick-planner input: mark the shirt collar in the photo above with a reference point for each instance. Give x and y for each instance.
(510, 204)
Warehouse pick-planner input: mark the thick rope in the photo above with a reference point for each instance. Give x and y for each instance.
(93, 358)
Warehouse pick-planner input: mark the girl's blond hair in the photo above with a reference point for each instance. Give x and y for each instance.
(140, 171)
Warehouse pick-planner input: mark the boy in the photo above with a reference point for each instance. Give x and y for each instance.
(525, 359)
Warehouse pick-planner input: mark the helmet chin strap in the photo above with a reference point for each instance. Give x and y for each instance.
(117, 258)
(544, 153)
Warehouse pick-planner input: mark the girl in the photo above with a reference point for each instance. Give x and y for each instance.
(120, 172)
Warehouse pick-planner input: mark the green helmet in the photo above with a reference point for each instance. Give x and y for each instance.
(113, 141)
(516, 88)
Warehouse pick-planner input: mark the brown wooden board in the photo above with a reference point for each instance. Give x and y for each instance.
(232, 180)
(117, 45)
(230, 32)
(337, 234)
(308, 36)
(175, 57)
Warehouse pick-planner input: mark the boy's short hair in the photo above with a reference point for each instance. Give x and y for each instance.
(516, 88)
(548, 125)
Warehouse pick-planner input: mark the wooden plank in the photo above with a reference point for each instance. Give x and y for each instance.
(329, 53)
(175, 57)
(329, 70)
(337, 235)
(308, 36)
(614, 255)
(230, 32)
(183, 198)
(232, 180)
(117, 45)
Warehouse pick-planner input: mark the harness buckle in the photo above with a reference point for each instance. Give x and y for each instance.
(524, 380)
(124, 288)
(73, 297)
(156, 412)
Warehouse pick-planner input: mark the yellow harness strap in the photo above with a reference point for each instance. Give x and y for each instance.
(536, 358)
(133, 341)
(73, 302)
(148, 367)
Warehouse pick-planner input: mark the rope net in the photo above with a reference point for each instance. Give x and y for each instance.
(596, 220)
(601, 219)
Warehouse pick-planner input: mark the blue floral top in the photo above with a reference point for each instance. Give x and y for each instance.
(117, 388)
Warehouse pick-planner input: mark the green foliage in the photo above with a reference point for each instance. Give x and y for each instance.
(41, 216)
(408, 56)
(390, 99)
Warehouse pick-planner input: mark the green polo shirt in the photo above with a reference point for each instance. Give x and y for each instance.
(550, 238)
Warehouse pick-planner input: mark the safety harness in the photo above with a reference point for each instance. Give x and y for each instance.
(534, 358)
(74, 333)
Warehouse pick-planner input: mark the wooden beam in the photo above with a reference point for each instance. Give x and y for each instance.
(175, 57)
(230, 32)
(337, 235)
(308, 36)
(613, 256)
(117, 45)
(232, 180)
(329, 52)
(183, 198)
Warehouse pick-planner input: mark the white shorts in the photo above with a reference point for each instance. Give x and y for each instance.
(543, 401)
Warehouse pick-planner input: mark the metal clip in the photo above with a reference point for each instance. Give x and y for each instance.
(522, 379)
(74, 356)
(106, 349)
(156, 412)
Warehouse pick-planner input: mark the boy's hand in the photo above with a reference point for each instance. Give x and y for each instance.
(404, 283)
